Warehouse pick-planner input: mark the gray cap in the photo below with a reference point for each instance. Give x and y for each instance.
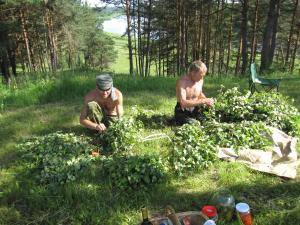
(104, 82)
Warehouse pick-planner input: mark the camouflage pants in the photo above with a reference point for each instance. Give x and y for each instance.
(96, 115)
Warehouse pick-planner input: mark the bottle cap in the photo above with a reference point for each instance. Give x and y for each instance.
(242, 207)
(209, 211)
(209, 222)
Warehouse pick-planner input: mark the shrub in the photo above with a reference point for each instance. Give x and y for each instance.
(121, 136)
(276, 110)
(58, 157)
(134, 172)
(272, 108)
(192, 149)
(246, 134)
(9, 216)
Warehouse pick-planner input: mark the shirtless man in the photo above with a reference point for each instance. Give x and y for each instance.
(189, 94)
(102, 106)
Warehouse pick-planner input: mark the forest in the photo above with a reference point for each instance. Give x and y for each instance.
(165, 35)
(56, 171)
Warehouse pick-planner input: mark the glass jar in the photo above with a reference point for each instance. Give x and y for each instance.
(225, 203)
(226, 207)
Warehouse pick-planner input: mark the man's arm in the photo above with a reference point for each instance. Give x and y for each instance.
(184, 103)
(119, 107)
(86, 122)
(202, 95)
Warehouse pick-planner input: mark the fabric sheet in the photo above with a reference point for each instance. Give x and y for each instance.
(281, 160)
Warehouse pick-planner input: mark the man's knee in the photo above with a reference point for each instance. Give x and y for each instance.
(92, 105)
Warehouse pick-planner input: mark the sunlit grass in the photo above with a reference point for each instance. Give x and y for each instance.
(38, 108)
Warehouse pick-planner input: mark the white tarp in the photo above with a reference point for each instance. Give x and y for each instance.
(282, 160)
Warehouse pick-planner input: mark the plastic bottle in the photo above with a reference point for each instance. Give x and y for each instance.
(243, 211)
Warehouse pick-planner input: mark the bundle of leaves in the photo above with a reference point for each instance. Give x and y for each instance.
(246, 134)
(134, 172)
(192, 149)
(121, 136)
(58, 157)
(272, 108)
(275, 110)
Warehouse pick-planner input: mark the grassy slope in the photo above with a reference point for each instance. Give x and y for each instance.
(41, 108)
(56, 106)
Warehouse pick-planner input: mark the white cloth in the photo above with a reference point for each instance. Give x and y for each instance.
(282, 160)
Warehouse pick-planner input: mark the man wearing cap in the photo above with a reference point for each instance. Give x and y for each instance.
(189, 94)
(103, 105)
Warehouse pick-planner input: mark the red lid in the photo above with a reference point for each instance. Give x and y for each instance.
(209, 211)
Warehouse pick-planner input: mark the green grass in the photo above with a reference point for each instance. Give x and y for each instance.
(121, 63)
(38, 108)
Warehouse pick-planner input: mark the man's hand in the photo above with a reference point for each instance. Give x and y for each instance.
(100, 127)
(209, 101)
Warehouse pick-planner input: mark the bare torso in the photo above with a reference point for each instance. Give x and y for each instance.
(191, 90)
(108, 106)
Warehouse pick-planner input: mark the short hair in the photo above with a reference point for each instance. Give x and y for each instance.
(196, 66)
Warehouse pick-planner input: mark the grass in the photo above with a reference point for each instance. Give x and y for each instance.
(38, 108)
(121, 63)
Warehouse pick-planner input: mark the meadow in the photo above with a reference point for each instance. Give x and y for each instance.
(53, 103)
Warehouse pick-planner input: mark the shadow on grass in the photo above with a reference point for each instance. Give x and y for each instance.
(19, 124)
(157, 121)
(93, 200)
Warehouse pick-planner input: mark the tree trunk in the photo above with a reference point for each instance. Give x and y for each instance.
(253, 42)
(244, 34)
(139, 37)
(291, 33)
(238, 57)
(178, 32)
(229, 38)
(221, 39)
(274, 35)
(200, 33)
(207, 39)
(216, 34)
(12, 60)
(269, 34)
(295, 49)
(127, 9)
(135, 38)
(51, 40)
(5, 68)
(26, 39)
(183, 38)
(147, 64)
